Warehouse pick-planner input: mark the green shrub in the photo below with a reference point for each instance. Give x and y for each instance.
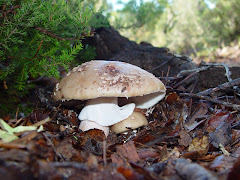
(39, 36)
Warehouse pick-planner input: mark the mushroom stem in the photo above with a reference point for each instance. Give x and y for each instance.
(105, 111)
(87, 125)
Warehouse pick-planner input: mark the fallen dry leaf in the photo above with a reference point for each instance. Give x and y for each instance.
(66, 150)
(189, 171)
(172, 155)
(222, 163)
(185, 138)
(193, 155)
(218, 119)
(235, 171)
(125, 152)
(200, 112)
(171, 97)
(221, 135)
(147, 153)
(201, 145)
(129, 174)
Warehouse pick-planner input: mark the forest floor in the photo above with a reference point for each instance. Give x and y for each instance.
(189, 136)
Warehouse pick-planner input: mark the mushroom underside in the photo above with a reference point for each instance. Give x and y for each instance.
(105, 111)
(100, 113)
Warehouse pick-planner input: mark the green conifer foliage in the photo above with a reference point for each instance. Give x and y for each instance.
(37, 36)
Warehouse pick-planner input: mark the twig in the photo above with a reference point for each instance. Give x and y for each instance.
(60, 38)
(227, 104)
(224, 86)
(17, 113)
(184, 80)
(13, 145)
(70, 165)
(190, 104)
(186, 72)
(167, 75)
(39, 47)
(35, 80)
(162, 64)
(105, 153)
(39, 123)
(52, 34)
(9, 11)
(237, 90)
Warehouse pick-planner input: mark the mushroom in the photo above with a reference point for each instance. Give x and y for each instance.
(134, 121)
(101, 83)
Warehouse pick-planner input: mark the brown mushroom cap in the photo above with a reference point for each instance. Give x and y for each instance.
(100, 78)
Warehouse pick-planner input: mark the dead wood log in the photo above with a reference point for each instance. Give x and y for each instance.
(214, 76)
(110, 45)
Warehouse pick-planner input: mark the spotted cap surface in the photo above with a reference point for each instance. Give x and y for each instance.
(99, 78)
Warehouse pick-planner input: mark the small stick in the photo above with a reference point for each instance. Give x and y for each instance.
(186, 72)
(190, 104)
(39, 123)
(69, 165)
(167, 75)
(105, 153)
(12, 145)
(162, 64)
(16, 113)
(224, 86)
(227, 104)
(184, 80)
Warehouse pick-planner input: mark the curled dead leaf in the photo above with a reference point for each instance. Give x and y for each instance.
(185, 138)
(201, 145)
